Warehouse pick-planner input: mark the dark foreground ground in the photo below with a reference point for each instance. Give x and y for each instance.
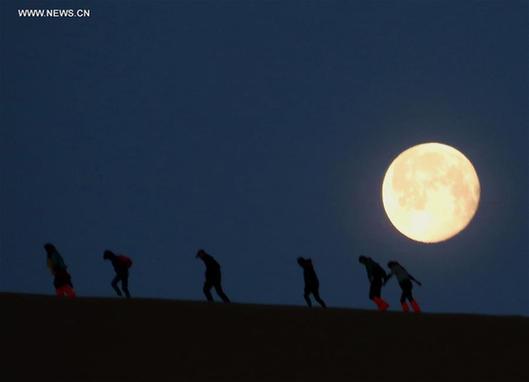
(103, 340)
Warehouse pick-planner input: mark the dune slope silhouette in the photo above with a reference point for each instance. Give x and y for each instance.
(103, 340)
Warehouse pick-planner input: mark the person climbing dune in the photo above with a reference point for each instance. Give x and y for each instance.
(213, 276)
(312, 284)
(62, 281)
(121, 264)
(376, 275)
(405, 283)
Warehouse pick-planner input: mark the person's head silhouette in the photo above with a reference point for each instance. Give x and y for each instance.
(49, 248)
(108, 255)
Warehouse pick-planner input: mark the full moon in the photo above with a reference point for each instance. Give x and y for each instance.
(430, 192)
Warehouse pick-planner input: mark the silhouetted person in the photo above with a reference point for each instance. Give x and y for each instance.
(62, 281)
(312, 284)
(121, 265)
(213, 276)
(376, 275)
(405, 282)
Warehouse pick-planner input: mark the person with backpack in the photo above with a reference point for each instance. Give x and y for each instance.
(121, 264)
(312, 284)
(376, 275)
(62, 281)
(213, 276)
(405, 283)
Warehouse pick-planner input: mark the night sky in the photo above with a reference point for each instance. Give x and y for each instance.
(260, 131)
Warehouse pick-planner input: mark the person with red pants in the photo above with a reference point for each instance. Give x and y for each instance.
(376, 275)
(62, 281)
(121, 264)
(405, 282)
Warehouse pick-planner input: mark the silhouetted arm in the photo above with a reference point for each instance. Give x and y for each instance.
(416, 281)
(388, 277)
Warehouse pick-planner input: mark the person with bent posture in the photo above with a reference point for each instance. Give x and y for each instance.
(213, 276)
(377, 276)
(405, 283)
(312, 284)
(62, 281)
(121, 266)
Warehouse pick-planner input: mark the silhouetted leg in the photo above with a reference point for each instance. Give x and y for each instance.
(374, 294)
(415, 306)
(407, 294)
(207, 291)
(60, 282)
(221, 294)
(114, 284)
(374, 289)
(316, 294)
(306, 296)
(125, 284)
(69, 291)
(381, 304)
(406, 287)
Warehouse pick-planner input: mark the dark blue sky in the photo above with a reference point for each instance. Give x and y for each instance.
(260, 131)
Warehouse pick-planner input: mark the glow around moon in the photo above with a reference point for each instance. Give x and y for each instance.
(430, 192)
